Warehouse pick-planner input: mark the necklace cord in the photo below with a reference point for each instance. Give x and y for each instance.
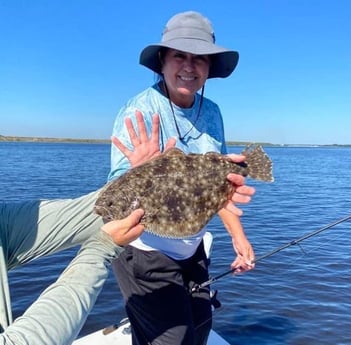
(182, 137)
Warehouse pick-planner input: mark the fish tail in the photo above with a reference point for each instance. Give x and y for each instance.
(259, 165)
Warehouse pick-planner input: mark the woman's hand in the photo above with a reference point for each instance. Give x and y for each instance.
(242, 193)
(245, 254)
(145, 148)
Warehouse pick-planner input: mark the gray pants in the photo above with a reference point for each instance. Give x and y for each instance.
(158, 302)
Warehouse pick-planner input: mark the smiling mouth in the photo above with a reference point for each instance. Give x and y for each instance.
(187, 78)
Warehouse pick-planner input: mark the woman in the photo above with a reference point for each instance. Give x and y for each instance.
(155, 274)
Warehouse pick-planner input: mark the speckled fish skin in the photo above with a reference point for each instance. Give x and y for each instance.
(179, 193)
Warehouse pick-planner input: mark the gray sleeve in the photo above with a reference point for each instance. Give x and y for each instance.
(61, 310)
(38, 228)
(34, 228)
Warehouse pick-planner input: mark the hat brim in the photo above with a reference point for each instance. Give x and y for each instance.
(223, 61)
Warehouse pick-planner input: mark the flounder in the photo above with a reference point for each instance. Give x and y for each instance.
(179, 193)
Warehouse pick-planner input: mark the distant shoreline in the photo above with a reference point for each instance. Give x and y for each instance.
(4, 138)
(52, 140)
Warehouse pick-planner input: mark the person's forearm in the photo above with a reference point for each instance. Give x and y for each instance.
(232, 223)
(245, 253)
(61, 310)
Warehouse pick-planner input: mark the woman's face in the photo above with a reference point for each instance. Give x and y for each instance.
(184, 74)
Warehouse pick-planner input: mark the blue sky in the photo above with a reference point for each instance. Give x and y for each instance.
(67, 66)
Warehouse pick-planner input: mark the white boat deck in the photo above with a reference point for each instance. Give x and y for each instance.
(122, 336)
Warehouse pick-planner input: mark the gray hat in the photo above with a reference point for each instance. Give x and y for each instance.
(192, 33)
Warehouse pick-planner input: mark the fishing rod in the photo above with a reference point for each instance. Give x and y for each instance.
(284, 246)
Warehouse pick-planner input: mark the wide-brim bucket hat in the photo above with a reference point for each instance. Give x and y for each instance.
(191, 32)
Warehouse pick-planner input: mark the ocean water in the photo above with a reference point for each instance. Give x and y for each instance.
(300, 295)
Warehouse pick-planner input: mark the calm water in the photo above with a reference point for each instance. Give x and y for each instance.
(297, 296)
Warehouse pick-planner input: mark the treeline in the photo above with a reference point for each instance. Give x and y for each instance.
(52, 140)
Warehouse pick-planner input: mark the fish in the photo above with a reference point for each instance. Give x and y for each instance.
(179, 192)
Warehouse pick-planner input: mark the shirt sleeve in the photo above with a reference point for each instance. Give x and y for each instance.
(41, 227)
(57, 316)
(34, 228)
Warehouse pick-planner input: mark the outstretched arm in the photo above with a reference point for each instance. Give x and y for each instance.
(57, 316)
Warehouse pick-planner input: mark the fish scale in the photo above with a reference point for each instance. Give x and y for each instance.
(179, 193)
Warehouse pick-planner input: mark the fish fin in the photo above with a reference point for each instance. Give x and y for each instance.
(173, 152)
(259, 165)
